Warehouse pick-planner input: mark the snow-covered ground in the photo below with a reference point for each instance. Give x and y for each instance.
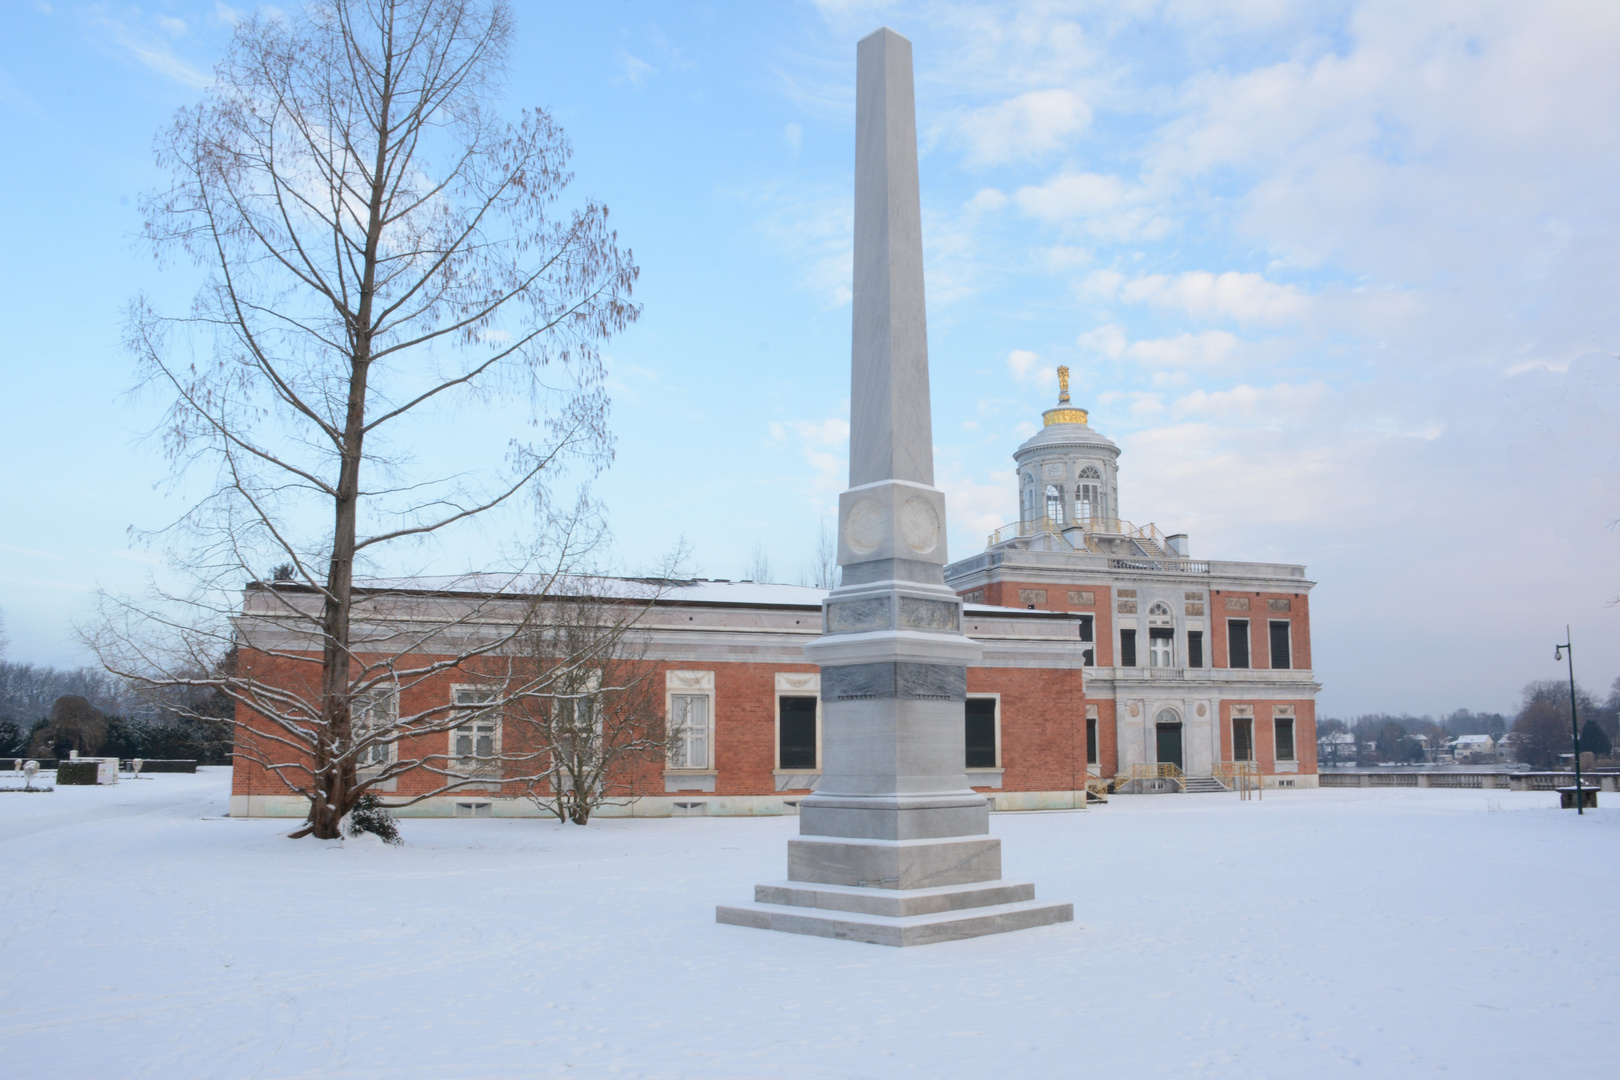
(1318, 933)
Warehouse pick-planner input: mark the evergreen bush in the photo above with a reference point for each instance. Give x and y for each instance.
(370, 816)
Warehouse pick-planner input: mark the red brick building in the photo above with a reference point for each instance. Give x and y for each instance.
(1108, 652)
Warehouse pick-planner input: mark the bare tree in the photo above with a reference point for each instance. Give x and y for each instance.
(585, 715)
(825, 572)
(380, 251)
(759, 564)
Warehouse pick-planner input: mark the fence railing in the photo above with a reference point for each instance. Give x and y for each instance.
(1518, 781)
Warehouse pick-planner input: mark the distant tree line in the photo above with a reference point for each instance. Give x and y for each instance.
(47, 712)
(1537, 734)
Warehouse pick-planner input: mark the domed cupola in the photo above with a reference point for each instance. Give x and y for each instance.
(1068, 474)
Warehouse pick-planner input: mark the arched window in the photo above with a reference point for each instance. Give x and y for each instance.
(1088, 496)
(1027, 507)
(1054, 503)
(1161, 636)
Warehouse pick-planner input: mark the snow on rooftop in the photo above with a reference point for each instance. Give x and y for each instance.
(1333, 933)
(681, 591)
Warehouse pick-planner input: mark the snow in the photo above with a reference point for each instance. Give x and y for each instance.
(1324, 933)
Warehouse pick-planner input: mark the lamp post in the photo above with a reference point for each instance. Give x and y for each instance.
(1574, 718)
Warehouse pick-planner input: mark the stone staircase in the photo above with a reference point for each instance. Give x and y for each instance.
(1202, 785)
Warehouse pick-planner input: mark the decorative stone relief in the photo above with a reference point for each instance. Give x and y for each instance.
(1125, 592)
(1031, 596)
(1202, 710)
(973, 596)
(863, 528)
(1195, 609)
(1279, 605)
(919, 525)
(1192, 596)
(1127, 607)
(871, 613)
(1082, 598)
(689, 680)
(1237, 603)
(920, 614)
(808, 682)
(1136, 710)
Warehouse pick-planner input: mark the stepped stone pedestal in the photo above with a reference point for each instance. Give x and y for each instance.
(894, 846)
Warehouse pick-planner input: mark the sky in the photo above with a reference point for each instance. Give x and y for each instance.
(1338, 278)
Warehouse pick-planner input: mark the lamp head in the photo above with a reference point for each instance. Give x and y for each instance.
(1558, 653)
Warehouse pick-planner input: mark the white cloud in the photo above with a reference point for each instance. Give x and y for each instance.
(147, 45)
(1102, 205)
(1203, 349)
(986, 200)
(1241, 297)
(636, 70)
(1028, 368)
(1028, 126)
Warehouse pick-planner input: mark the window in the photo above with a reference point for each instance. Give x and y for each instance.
(689, 731)
(1091, 740)
(475, 741)
(1054, 503)
(1029, 497)
(1279, 644)
(1284, 726)
(1242, 738)
(1160, 609)
(1087, 627)
(1237, 643)
(1195, 648)
(981, 733)
(1127, 648)
(373, 714)
(796, 733)
(1161, 648)
(1087, 496)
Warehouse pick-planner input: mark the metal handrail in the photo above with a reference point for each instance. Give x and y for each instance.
(1243, 777)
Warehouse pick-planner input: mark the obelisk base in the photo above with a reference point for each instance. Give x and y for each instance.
(879, 916)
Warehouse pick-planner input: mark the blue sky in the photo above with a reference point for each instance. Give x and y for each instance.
(1339, 278)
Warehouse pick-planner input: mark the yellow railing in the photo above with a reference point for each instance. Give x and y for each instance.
(1242, 777)
(1147, 770)
(1108, 526)
(1097, 786)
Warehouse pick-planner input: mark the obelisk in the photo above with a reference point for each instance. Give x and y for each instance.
(894, 846)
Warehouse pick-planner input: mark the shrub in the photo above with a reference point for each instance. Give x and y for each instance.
(77, 772)
(370, 816)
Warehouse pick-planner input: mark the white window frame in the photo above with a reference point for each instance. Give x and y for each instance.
(995, 770)
(360, 710)
(795, 684)
(464, 713)
(689, 684)
(1271, 660)
(1248, 635)
(1284, 712)
(1093, 717)
(1244, 712)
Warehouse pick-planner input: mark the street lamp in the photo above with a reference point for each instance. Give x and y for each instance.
(1574, 718)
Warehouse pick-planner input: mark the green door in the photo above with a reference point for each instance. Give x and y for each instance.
(1170, 745)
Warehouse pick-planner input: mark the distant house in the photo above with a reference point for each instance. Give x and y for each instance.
(1336, 749)
(1473, 749)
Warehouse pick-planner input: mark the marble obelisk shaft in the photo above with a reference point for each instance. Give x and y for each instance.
(891, 429)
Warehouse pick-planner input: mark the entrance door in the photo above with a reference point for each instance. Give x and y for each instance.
(1170, 745)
